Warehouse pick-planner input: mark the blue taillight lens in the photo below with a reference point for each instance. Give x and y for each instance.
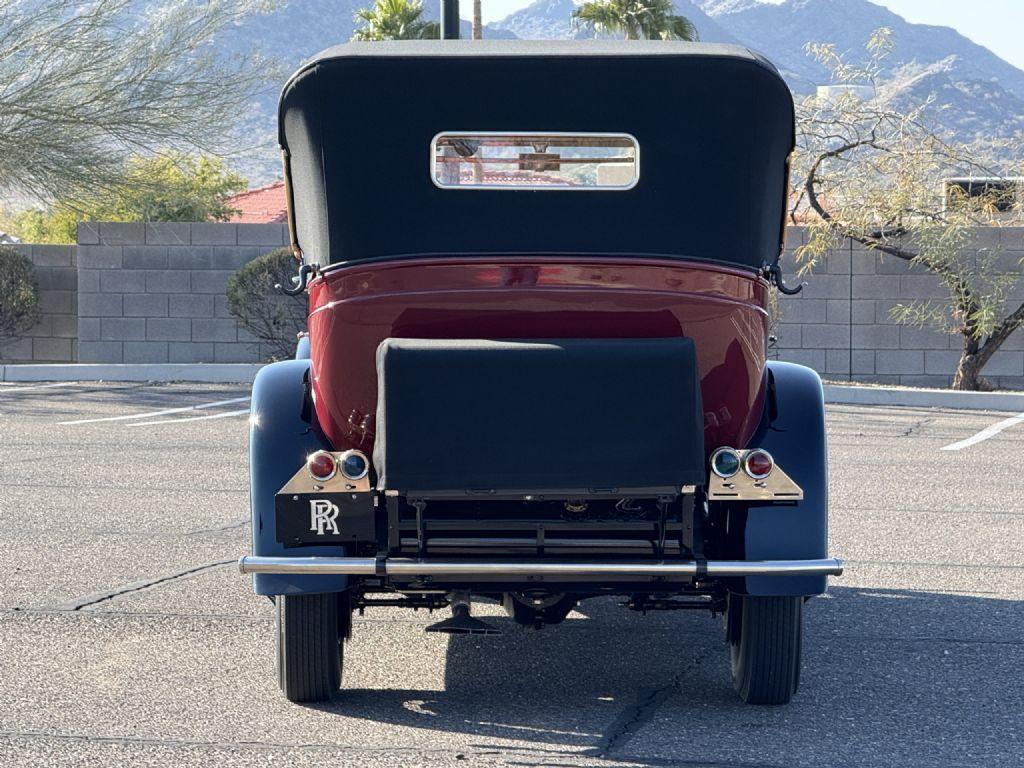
(725, 462)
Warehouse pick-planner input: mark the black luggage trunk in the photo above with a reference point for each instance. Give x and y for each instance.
(558, 418)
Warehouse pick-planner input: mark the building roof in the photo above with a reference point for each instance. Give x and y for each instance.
(263, 205)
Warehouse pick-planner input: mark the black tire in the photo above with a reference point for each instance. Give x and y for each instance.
(309, 646)
(765, 641)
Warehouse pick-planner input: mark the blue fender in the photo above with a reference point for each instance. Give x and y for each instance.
(281, 435)
(793, 432)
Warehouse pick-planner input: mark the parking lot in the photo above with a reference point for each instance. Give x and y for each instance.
(128, 637)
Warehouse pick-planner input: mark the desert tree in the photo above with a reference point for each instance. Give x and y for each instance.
(636, 19)
(171, 186)
(395, 20)
(868, 171)
(84, 85)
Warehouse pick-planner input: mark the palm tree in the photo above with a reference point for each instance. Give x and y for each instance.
(395, 20)
(637, 19)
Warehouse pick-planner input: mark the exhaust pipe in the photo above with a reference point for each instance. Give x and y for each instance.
(368, 566)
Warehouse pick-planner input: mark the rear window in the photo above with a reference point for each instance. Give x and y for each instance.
(510, 160)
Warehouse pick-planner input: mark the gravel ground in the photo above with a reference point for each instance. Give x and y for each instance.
(129, 638)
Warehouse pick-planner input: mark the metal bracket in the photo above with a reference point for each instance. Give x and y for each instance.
(778, 486)
(301, 281)
(774, 275)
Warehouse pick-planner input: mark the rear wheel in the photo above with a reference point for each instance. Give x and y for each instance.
(309, 646)
(765, 637)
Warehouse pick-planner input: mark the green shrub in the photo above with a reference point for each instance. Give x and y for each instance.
(266, 312)
(19, 294)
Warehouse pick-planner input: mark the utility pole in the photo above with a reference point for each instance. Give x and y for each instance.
(449, 19)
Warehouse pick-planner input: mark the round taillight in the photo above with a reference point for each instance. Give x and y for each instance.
(725, 462)
(759, 464)
(354, 465)
(321, 466)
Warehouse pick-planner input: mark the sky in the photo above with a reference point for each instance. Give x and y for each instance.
(996, 24)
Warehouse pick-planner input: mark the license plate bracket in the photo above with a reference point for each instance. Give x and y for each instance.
(324, 518)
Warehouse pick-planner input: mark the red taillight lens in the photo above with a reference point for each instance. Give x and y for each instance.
(321, 465)
(759, 464)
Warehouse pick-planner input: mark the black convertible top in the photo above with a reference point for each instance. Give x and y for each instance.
(714, 125)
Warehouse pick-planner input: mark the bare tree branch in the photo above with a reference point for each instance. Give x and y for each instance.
(870, 173)
(85, 85)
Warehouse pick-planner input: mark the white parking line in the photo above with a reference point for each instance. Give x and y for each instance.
(986, 433)
(38, 386)
(223, 415)
(165, 412)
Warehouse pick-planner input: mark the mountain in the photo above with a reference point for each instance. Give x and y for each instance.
(290, 35)
(542, 20)
(552, 20)
(977, 93)
(971, 109)
(781, 31)
(298, 29)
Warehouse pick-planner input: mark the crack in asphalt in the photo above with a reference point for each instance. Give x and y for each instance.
(136, 586)
(916, 426)
(635, 716)
(218, 529)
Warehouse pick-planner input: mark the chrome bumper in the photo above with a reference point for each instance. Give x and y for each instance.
(368, 566)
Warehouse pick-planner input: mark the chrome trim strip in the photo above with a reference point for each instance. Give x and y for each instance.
(535, 187)
(364, 566)
(356, 566)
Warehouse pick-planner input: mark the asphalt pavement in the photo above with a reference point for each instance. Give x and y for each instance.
(127, 636)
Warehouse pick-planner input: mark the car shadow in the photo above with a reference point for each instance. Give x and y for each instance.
(621, 686)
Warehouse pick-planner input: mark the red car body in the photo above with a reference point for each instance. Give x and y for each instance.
(353, 309)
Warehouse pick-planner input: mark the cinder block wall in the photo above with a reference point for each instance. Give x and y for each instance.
(840, 323)
(154, 292)
(54, 338)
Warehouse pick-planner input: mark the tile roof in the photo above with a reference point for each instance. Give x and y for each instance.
(262, 205)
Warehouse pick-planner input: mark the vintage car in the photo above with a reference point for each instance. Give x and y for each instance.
(537, 363)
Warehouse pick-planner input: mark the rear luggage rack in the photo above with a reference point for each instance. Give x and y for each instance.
(628, 528)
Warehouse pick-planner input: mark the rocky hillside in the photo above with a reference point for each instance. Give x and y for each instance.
(551, 20)
(978, 94)
(781, 31)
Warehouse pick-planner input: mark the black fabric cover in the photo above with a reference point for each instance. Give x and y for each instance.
(516, 416)
(714, 124)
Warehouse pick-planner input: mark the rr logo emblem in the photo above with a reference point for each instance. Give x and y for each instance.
(323, 515)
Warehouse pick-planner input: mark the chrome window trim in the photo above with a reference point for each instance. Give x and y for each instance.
(536, 187)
